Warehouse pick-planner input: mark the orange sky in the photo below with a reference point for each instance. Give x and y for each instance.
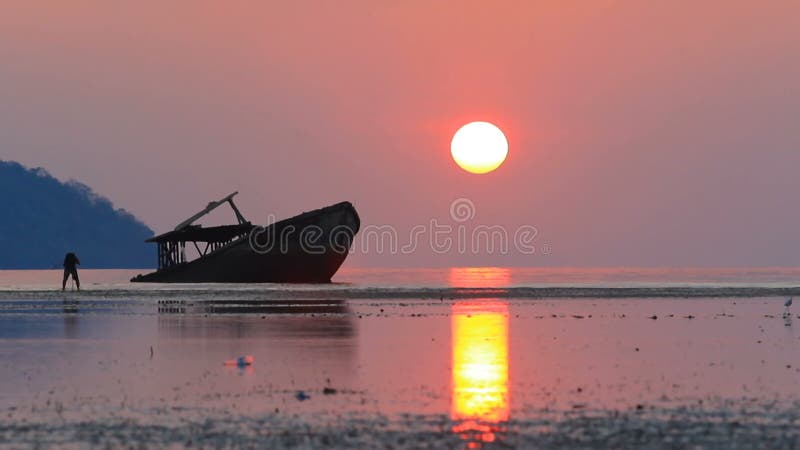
(641, 133)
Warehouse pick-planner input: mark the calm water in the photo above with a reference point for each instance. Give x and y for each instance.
(487, 277)
(476, 367)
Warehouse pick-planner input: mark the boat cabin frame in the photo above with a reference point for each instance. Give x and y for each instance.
(172, 245)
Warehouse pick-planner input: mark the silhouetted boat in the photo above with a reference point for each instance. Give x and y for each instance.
(308, 248)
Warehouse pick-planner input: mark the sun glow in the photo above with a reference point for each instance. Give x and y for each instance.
(479, 147)
(480, 369)
(480, 393)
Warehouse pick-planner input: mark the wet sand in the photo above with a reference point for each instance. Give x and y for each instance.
(381, 373)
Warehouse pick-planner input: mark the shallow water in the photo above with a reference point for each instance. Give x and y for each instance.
(77, 369)
(460, 277)
(463, 283)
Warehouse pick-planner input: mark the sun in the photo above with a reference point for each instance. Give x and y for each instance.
(479, 147)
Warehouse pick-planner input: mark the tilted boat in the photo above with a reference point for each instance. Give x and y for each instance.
(308, 248)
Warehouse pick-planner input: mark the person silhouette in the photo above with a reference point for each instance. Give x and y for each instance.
(70, 268)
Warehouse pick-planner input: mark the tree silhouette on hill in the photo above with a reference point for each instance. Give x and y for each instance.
(42, 218)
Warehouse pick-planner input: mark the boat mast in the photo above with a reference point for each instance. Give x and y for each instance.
(210, 207)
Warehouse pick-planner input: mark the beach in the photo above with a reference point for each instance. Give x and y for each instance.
(95, 370)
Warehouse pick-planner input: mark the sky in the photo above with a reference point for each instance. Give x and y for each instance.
(640, 133)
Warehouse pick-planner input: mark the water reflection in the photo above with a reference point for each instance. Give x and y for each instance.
(249, 306)
(294, 342)
(70, 313)
(480, 393)
(255, 319)
(479, 277)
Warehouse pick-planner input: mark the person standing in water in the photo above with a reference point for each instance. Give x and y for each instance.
(70, 268)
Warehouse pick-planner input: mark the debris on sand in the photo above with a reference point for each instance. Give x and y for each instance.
(241, 361)
(301, 396)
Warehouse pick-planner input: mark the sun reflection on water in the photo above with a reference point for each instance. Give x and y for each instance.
(480, 393)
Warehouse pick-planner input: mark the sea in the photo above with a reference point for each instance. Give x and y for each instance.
(510, 282)
(462, 357)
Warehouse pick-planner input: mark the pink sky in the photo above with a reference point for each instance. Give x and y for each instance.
(641, 133)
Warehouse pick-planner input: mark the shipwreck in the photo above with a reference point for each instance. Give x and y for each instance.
(308, 248)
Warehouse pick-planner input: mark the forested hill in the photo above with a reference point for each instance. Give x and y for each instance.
(42, 218)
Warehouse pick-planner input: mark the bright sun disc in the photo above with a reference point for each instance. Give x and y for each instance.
(479, 147)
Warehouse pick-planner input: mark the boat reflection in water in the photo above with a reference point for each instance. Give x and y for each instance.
(318, 320)
(297, 340)
(480, 393)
